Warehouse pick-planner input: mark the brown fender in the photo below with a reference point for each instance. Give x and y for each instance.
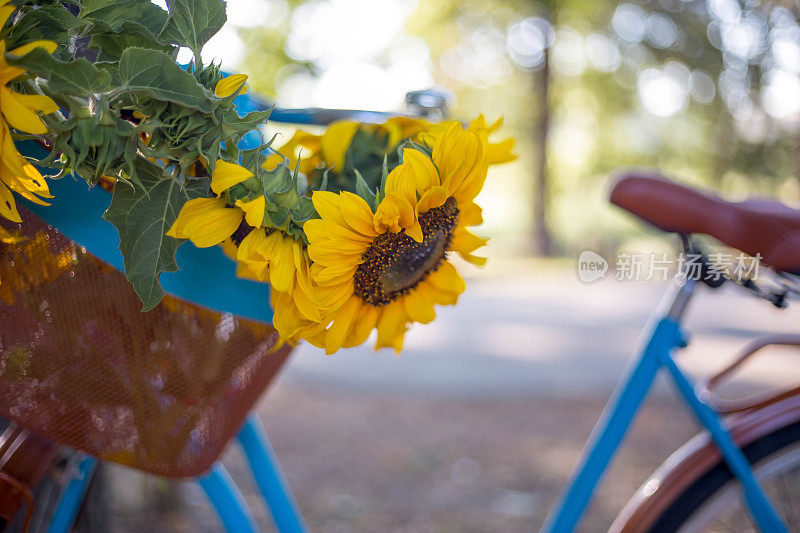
(695, 458)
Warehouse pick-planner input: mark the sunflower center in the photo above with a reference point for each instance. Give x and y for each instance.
(395, 263)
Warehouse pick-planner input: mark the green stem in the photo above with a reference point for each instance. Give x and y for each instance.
(31, 84)
(198, 65)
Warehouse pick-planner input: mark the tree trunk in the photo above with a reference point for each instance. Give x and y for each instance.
(542, 240)
(797, 160)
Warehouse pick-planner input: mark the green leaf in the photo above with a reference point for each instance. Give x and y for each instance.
(382, 189)
(124, 24)
(112, 44)
(142, 215)
(94, 5)
(233, 123)
(363, 190)
(47, 22)
(77, 77)
(112, 16)
(304, 211)
(193, 22)
(154, 74)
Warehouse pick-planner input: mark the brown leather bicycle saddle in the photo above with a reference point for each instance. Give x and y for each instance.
(763, 227)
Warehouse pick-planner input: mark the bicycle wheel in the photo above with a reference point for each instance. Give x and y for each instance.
(714, 502)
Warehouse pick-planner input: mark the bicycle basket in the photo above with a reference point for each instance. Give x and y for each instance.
(82, 365)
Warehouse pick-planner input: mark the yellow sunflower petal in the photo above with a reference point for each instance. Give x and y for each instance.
(37, 102)
(9, 156)
(425, 174)
(5, 12)
(335, 142)
(357, 213)
(479, 122)
(418, 305)
(332, 253)
(320, 230)
(340, 329)
(206, 222)
(333, 297)
(243, 271)
(464, 241)
(330, 256)
(250, 254)
(387, 216)
(20, 187)
(391, 325)
(229, 248)
(253, 210)
(444, 145)
(327, 205)
(281, 261)
(306, 306)
(459, 156)
(501, 152)
(229, 85)
(401, 183)
(446, 278)
(8, 207)
(432, 198)
(226, 175)
(400, 128)
(289, 322)
(393, 214)
(49, 46)
(304, 288)
(334, 274)
(34, 181)
(29, 184)
(472, 184)
(443, 296)
(474, 259)
(19, 116)
(415, 232)
(470, 168)
(363, 326)
(470, 214)
(272, 161)
(309, 144)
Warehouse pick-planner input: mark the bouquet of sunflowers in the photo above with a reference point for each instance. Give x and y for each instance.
(352, 229)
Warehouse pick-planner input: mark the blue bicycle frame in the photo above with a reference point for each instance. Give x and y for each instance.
(217, 484)
(664, 335)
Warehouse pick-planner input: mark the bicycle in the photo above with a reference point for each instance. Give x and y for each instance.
(223, 356)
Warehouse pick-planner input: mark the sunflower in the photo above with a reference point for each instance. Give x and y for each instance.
(329, 150)
(262, 253)
(209, 221)
(19, 111)
(399, 128)
(496, 153)
(318, 151)
(389, 266)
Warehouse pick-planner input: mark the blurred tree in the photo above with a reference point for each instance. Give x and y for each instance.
(265, 58)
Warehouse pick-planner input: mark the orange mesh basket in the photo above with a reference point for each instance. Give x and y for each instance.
(80, 364)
